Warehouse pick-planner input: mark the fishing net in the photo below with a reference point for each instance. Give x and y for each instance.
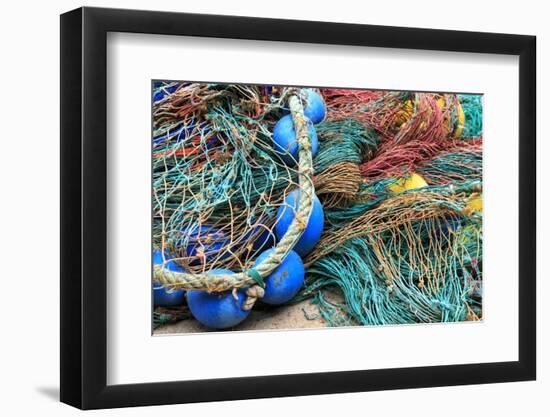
(217, 181)
(398, 175)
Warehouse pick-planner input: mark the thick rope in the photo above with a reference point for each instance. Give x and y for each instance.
(252, 294)
(249, 278)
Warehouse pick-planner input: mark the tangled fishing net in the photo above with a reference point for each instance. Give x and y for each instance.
(398, 175)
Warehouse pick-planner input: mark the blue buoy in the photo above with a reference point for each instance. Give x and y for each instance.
(285, 142)
(315, 108)
(314, 228)
(162, 296)
(218, 310)
(285, 282)
(204, 243)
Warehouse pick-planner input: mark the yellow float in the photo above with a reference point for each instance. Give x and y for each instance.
(474, 205)
(408, 183)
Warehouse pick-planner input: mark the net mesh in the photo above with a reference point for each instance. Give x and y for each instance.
(385, 256)
(217, 181)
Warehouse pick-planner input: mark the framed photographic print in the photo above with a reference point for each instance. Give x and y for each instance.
(256, 208)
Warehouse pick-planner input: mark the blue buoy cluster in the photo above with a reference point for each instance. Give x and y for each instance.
(221, 310)
(285, 142)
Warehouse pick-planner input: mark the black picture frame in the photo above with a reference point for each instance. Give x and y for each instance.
(84, 207)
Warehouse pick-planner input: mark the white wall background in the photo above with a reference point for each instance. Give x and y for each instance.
(29, 175)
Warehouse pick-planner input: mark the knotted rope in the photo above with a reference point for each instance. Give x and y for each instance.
(253, 277)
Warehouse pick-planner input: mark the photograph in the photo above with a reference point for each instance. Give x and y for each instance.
(287, 207)
(246, 208)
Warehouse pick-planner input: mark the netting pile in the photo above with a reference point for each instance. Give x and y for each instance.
(398, 175)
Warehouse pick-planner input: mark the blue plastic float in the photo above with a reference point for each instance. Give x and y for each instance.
(285, 281)
(285, 142)
(218, 310)
(315, 109)
(314, 228)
